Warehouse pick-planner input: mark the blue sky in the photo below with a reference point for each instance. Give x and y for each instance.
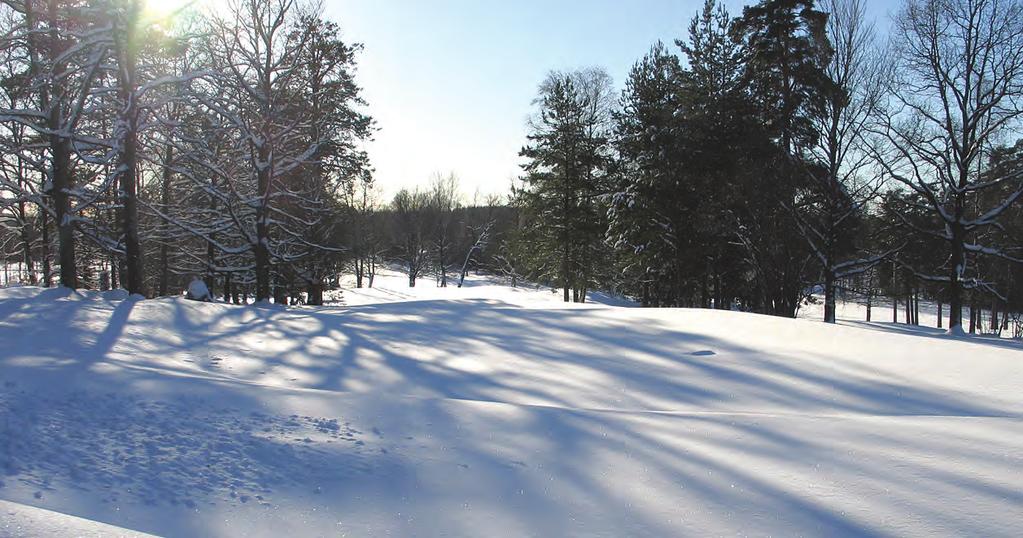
(450, 82)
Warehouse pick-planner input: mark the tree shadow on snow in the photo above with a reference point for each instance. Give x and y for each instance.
(181, 432)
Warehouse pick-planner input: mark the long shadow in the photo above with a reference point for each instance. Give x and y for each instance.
(932, 332)
(448, 330)
(605, 350)
(155, 442)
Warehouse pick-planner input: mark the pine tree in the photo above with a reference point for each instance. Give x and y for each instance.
(565, 180)
(651, 212)
(785, 42)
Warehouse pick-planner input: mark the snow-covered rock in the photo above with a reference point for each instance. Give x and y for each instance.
(197, 290)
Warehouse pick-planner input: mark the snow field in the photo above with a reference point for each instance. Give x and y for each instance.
(497, 411)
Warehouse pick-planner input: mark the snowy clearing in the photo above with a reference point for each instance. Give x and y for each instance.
(494, 411)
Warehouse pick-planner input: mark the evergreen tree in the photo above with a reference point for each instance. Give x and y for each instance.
(785, 42)
(565, 180)
(650, 215)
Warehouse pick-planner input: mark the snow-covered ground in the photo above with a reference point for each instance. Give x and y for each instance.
(854, 313)
(392, 286)
(494, 411)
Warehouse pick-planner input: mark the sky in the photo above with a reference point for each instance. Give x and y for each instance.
(450, 83)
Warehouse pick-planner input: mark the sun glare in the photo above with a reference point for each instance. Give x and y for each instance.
(167, 9)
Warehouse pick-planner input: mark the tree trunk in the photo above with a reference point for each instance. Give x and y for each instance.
(262, 264)
(829, 296)
(909, 308)
(165, 200)
(440, 265)
(564, 272)
(719, 295)
(61, 184)
(210, 278)
(916, 307)
(939, 314)
(705, 289)
(955, 298)
(973, 318)
(315, 293)
(26, 244)
(129, 219)
(869, 292)
(280, 292)
(262, 246)
(60, 179)
(127, 166)
(44, 233)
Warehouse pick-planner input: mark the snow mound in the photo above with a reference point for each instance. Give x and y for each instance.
(197, 291)
(499, 411)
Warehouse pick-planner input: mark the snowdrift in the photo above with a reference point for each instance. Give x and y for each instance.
(494, 411)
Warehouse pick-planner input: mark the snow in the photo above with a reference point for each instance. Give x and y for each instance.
(197, 290)
(497, 411)
(392, 286)
(854, 313)
(23, 520)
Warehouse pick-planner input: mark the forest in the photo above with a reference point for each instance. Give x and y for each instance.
(792, 152)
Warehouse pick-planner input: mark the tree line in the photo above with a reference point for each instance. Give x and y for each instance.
(789, 151)
(142, 148)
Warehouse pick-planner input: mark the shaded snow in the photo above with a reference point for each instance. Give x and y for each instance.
(498, 411)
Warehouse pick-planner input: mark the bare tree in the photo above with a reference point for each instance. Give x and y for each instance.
(255, 48)
(63, 63)
(841, 181)
(482, 239)
(364, 236)
(442, 204)
(126, 22)
(410, 220)
(955, 86)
